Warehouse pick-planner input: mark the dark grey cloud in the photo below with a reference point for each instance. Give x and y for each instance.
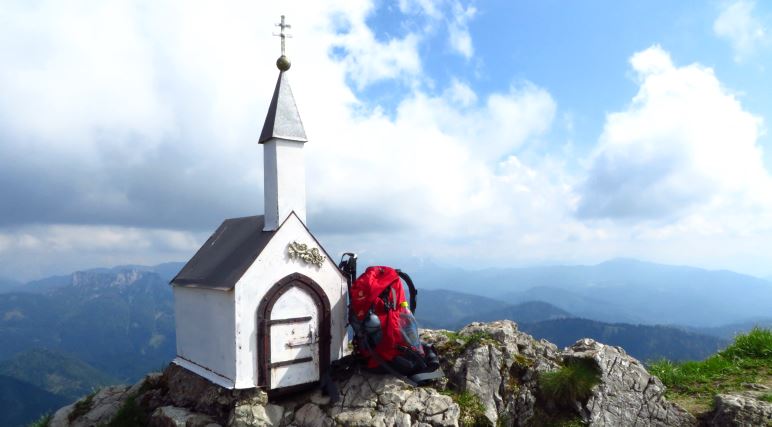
(354, 220)
(169, 187)
(172, 186)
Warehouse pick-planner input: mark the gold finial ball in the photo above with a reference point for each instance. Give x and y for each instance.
(283, 63)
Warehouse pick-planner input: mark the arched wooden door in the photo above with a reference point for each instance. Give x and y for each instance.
(293, 333)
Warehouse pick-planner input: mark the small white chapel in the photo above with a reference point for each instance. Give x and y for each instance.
(261, 304)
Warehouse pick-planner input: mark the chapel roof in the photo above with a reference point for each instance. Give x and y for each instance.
(283, 120)
(226, 255)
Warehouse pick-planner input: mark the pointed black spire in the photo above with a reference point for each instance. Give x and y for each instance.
(283, 120)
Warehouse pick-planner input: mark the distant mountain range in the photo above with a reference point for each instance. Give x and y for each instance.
(7, 285)
(66, 335)
(119, 321)
(442, 309)
(620, 290)
(644, 342)
(61, 336)
(728, 332)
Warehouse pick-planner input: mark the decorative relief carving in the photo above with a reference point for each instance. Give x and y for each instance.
(303, 253)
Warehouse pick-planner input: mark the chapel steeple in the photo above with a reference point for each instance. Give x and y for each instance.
(283, 137)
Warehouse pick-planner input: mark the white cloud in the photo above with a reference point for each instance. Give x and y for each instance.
(685, 152)
(737, 24)
(439, 157)
(453, 13)
(165, 153)
(367, 59)
(432, 8)
(50, 55)
(493, 130)
(460, 94)
(458, 29)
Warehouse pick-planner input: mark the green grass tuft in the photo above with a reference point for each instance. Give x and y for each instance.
(756, 344)
(472, 408)
(43, 421)
(766, 397)
(571, 383)
(747, 360)
(477, 338)
(458, 343)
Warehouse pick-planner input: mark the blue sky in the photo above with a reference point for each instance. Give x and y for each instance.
(580, 52)
(471, 133)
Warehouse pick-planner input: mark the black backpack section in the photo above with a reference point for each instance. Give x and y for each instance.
(413, 367)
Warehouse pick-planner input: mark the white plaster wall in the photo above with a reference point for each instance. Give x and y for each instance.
(270, 188)
(284, 177)
(205, 322)
(272, 265)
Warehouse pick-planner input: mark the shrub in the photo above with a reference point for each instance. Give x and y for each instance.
(571, 383)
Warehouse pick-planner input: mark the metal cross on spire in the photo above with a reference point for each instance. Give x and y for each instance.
(283, 62)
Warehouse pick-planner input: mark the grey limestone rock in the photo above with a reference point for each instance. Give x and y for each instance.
(479, 372)
(501, 366)
(92, 411)
(373, 400)
(741, 409)
(382, 400)
(171, 416)
(310, 415)
(498, 364)
(185, 389)
(494, 362)
(627, 393)
(358, 417)
(247, 414)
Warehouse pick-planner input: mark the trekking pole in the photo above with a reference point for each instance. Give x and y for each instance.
(348, 265)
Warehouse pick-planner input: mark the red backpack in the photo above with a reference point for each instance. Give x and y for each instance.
(385, 330)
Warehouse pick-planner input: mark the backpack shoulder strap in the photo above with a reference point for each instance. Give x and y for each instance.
(425, 377)
(411, 288)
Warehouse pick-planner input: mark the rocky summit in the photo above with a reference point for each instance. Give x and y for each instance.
(495, 375)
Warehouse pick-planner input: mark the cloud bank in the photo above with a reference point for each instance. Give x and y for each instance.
(684, 144)
(128, 133)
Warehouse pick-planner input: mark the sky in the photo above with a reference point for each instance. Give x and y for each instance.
(463, 133)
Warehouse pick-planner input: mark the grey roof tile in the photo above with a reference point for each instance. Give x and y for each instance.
(226, 255)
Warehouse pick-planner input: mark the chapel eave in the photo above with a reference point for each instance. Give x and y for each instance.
(226, 255)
